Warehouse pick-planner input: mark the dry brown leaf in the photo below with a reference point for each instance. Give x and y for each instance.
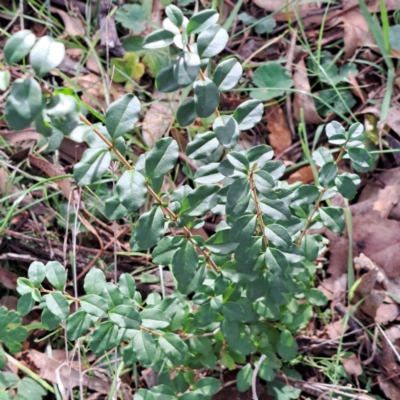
(280, 137)
(303, 174)
(8, 279)
(387, 198)
(356, 32)
(302, 100)
(335, 329)
(52, 171)
(158, 118)
(73, 25)
(386, 313)
(352, 365)
(285, 8)
(55, 371)
(94, 93)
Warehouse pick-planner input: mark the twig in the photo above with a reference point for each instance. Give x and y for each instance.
(254, 378)
(258, 209)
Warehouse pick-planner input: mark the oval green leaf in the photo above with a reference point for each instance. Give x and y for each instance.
(18, 46)
(46, 55)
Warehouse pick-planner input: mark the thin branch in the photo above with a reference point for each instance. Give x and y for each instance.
(258, 209)
(254, 378)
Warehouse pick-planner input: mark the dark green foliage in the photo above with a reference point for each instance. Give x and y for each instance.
(245, 290)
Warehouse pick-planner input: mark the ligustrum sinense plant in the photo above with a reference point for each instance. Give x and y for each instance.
(241, 295)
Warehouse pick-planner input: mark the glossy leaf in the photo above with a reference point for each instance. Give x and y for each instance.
(37, 273)
(206, 98)
(360, 157)
(207, 386)
(161, 158)
(346, 186)
(202, 21)
(164, 251)
(23, 103)
(5, 77)
(355, 131)
(78, 324)
(104, 337)
(175, 15)
(332, 217)
(113, 209)
(127, 285)
(122, 115)
(58, 305)
(238, 197)
(184, 265)
(18, 46)
(165, 81)
(131, 189)
(149, 228)
(186, 113)
(212, 41)
(56, 274)
(92, 167)
(275, 209)
(158, 39)
(153, 318)
(94, 305)
(227, 130)
(243, 228)
(25, 304)
(249, 114)
(46, 55)
(278, 236)
(125, 316)
(144, 347)
(244, 377)
(95, 281)
(321, 156)
(173, 348)
(186, 68)
(208, 174)
(327, 174)
(227, 74)
(200, 201)
(220, 243)
(202, 146)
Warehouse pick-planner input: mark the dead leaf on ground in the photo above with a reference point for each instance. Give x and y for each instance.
(94, 93)
(73, 25)
(303, 174)
(352, 365)
(158, 118)
(55, 372)
(52, 171)
(356, 32)
(280, 137)
(302, 98)
(8, 279)
(386, 313)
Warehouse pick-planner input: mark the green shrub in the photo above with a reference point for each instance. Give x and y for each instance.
(244, 292)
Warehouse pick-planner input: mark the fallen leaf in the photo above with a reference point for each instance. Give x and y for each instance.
(280, 137)
(8, 279)
(158, 118)
(356, 32)
(73, 25)
(386, 313)
(352, 365)
(56, 372)
(302, 98)
(52, 170)
(304, 174)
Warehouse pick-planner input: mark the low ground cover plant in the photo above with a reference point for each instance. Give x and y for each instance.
(243, 294)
